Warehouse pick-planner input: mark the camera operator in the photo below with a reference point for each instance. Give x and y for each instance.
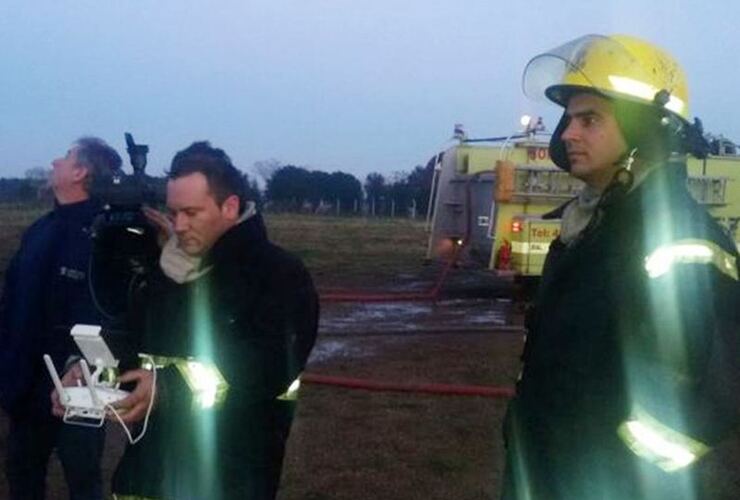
(46, 292)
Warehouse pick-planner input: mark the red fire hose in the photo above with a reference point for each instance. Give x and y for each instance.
(428, 388)
(433, 293)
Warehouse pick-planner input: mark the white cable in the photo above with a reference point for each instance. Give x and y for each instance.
(148, 410)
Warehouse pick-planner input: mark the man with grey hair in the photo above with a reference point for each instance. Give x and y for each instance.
(46, 292)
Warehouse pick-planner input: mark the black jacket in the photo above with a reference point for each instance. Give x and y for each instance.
(46, 292)
(255, 316)
(608, 338)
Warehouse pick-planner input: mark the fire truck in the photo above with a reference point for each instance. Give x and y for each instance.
(491, 199)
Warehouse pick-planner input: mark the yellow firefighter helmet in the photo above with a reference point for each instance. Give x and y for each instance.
(617, 66)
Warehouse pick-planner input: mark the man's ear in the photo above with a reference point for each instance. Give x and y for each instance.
(230, 207)
(80, 173)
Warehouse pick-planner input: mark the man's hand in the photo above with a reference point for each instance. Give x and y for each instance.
(133, 408)
(161, 222)
(72, 378)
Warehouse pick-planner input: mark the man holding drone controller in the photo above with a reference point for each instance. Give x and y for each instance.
(45, 294)
(226, 325)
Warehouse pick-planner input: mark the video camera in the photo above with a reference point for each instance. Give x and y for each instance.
(124, 243)
(121, 191)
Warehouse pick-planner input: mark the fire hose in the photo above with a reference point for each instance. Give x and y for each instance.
(421, 388)
(432, 294)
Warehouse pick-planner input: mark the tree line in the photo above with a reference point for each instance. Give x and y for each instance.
(291, 188)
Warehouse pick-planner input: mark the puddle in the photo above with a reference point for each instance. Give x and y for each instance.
(411, 316)
(325, 350)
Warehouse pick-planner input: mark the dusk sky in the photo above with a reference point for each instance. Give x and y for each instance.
(348, 85)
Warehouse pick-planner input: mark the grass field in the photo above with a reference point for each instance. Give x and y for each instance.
(405, 446)
(360, 445)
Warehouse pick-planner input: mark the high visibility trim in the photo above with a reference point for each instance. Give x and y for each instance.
(690, 251)
(206, 383)
(292, 393)
(665, 447)
(645, 91)
(532, 248)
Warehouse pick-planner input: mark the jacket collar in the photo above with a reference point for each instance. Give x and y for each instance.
(85, 208)
(244, 239)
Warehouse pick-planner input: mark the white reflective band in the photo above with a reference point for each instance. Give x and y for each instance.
(534, 248)
(661, 260)
(205, 381)
(668, 449)
(292, 393)
(636, 88)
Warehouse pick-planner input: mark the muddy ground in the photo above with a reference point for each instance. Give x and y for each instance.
(362, 445)
(366, 445)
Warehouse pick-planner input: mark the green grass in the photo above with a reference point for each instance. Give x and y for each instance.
(338, 251)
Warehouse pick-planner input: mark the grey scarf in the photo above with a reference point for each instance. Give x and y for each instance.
(578, 214)
(181, 267)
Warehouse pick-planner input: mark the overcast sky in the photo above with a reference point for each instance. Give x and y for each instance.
(348, 85)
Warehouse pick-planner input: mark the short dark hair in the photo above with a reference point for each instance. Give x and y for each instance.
(101, 160)
(223, 178)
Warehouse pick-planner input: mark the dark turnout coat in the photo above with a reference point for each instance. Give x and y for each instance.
(254, 315)
(46, 292)
(637, 317)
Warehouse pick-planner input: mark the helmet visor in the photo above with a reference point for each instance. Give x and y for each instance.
(616, 66)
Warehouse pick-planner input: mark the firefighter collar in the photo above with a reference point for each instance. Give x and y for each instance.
(578, 214)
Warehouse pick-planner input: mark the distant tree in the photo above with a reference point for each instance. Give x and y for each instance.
(36, 184)
(420, 184)
(296, 188)
(39, 174)
(18, 190)
(319, 188)
(266, 168)
(252, 190)
(399, 192)
(375, 185)
(288, 187)
(344, 188)
(375, 190)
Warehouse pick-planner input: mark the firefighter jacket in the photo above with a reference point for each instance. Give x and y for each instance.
(249, 323)
(46, 292)
(630, 367)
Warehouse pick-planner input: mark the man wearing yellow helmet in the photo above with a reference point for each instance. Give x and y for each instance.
(632, 360)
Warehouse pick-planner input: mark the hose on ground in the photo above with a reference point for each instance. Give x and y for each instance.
(422, 388)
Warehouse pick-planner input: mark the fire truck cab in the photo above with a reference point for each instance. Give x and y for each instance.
(494, 197)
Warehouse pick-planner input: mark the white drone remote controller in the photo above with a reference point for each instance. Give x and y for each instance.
(86, 404)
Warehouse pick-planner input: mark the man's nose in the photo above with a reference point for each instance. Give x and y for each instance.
(180, 223)
(571, 132)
